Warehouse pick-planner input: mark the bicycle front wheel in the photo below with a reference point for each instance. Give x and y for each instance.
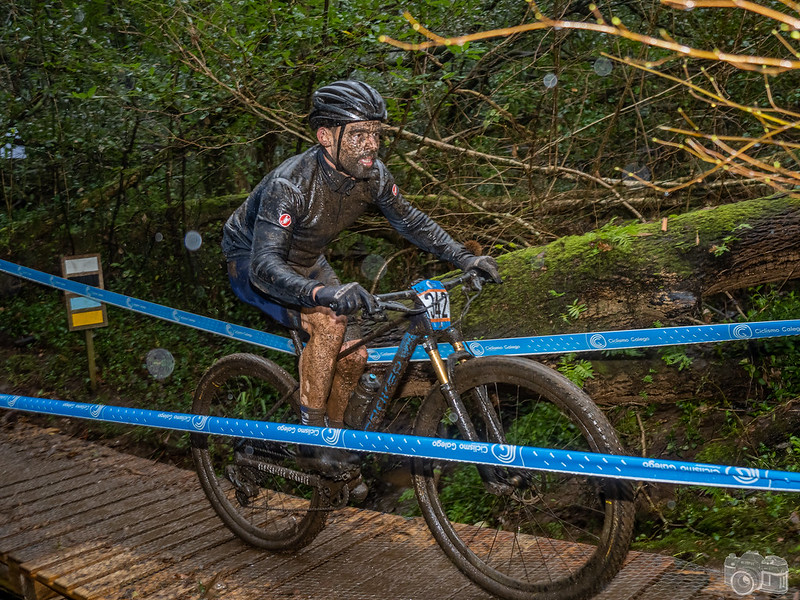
(257, 501)
(524, 534)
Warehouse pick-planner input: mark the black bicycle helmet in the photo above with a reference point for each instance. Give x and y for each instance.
(344, 102)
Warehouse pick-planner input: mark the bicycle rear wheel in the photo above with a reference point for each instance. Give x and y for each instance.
(264, 509)
(535, 534)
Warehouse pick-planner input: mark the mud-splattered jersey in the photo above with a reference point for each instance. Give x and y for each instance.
(299, 208)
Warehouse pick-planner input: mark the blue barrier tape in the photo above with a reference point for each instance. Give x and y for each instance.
(151, 309)
(542, 459)
(522, 346)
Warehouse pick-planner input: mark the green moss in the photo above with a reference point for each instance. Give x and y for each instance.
(719, 453)
(704, 526)
(541, 282)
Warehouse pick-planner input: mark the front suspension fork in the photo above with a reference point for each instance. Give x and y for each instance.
(494, 479)
(445, 374)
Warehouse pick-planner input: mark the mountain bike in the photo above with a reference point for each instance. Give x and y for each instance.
(517, 533)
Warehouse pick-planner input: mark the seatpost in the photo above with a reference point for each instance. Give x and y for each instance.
(298, 343)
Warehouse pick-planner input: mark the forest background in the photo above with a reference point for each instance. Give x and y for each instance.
(573, 137)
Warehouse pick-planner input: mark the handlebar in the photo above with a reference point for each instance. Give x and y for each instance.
(391, 301)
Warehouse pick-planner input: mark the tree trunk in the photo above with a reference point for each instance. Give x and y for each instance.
(681, 272)
(629, 277)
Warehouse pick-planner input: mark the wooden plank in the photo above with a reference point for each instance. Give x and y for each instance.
(19, 474)
(151, 562)
(196, 570)
(121, 518)
(380, 567)
(53, 523)
(233, 572)
(242, 579)
(133, 559)
(73, 512)
(350, 528)
(69, 496)
(412, 548)
(215, 571)
(72, 477)
(95, 524)
(76, 500)
(37, 484)
(678, 584)
(94, 555)
(638, 573)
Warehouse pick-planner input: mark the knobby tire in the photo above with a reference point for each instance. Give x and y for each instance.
(545, 535)
(267, 511)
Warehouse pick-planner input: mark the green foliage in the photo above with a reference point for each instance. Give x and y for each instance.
(676, 356)
(55, 364)
(775, 362)
(463, 490)
(610, 237)
(544, 425)
(705, 525)
(574, 311)
(181, 101)
(457, 492)
(577, 371)
(724, 245)
(709, 526)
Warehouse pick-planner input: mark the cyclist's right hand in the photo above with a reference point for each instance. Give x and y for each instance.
(485, 266)
(345, 299)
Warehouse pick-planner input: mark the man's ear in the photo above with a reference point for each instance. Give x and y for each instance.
(325, 137)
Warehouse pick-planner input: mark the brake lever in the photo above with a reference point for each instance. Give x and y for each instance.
(401, 308)
(474, 282)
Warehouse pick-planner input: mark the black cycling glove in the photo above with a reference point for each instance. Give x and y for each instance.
(484, 265)
(345, 299)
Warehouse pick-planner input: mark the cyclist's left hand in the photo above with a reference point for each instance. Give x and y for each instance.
(345, 299)
(484, 265)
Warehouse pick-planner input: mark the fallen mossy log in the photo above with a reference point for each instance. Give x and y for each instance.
(630, 276)
(683, 270)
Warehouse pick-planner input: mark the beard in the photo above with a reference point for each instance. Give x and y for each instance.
(358, 166)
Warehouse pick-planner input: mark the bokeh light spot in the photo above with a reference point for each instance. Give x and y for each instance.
(193, 241)
(602, 66)
(373, 267)
(160, 363)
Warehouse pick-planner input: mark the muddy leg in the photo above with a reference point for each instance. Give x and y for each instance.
(348, 370)
(326, 331)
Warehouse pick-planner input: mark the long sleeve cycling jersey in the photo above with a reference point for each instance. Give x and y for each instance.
(299, 208)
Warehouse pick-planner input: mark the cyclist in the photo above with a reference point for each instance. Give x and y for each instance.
(275, 242)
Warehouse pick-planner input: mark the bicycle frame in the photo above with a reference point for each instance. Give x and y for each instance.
(421, 331)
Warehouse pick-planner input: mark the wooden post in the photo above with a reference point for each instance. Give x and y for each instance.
(90, 355)
(84, 312)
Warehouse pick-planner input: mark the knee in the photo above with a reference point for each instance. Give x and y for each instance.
(324, 321)
(354, 362)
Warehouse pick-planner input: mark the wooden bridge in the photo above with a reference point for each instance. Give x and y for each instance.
(82, 521)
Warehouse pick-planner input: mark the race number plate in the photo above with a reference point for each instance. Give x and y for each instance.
(436, 301)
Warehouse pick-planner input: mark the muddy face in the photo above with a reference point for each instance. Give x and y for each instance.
(358, 148)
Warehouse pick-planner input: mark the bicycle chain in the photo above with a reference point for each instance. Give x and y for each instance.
(335, 493)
